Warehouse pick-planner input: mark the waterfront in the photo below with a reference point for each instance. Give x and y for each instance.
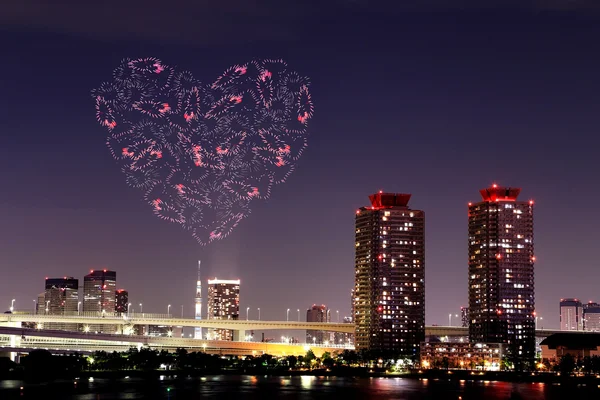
(292, 387)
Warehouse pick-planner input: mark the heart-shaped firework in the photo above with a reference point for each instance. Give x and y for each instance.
(201, 154)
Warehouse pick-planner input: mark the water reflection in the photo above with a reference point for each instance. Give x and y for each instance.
(295, 387)
(307, 382)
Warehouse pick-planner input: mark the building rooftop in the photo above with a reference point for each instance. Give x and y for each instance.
(384, 200)
(223, 281)
(500, 193)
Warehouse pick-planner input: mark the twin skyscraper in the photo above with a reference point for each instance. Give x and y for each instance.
(389, 291)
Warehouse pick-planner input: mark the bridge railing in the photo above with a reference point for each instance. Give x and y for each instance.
(91, 314)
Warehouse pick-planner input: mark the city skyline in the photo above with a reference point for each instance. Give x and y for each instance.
(433, 103)
(453, 321)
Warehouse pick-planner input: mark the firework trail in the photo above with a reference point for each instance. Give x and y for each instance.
(201, 154)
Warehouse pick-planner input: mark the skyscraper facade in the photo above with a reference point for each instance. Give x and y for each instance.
(61, 298)
(501, 273)
(591, 317)
(223, 303)
(464, 317)
(389, 286)
(40, 306)
(99, 288)
(121, 301)
(571, 315)
(317, 314)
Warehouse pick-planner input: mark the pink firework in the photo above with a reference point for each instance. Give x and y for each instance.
(201, 154)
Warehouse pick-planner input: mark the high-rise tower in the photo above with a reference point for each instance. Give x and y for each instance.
(99, 291)
(223, 303)
(99, 297)
(389, 288)
(501, 281)
(198, 303)
(61, 298)
(571, 315)
(121, 301)
(317, 314)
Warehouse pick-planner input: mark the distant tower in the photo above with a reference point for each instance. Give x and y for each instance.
(198, 307)
(571, 315)
(121, 301)
(99, 298)
(317, 314)
(61, 298)
(223, 302)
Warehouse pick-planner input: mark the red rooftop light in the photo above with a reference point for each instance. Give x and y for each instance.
(500, 193)
(386, 200)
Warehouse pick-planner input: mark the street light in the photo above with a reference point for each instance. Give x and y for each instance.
(168, 310)
(338, 315)
(128, 305)
(287, 315)
(12, 305)
(141, 309)
(449, 319)
(34, 306)
(47, 302)
(259, 313)
(247, 310)
(79, 303)
(298, 315)
(182, 311)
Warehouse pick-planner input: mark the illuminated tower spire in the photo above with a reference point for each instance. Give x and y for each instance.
(198, 304)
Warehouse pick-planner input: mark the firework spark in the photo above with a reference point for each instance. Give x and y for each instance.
(201, 154)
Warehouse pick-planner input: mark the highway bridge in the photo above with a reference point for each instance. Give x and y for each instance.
(239, 327)
(14, 340)
(459, 331)
(14, 336)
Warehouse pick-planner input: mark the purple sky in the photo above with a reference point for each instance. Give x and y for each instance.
(436, 101)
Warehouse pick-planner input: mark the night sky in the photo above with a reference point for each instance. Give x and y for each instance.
(434, 100)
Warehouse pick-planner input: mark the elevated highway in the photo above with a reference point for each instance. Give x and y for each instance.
(455, 331)
(54, 340)
(239, 326)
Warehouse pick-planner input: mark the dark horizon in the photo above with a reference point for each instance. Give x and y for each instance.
(438, 102)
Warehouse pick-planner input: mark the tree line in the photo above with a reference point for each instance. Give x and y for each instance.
(42, 363)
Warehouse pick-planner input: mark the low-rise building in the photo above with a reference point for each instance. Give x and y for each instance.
(456, 355)
(578, 345)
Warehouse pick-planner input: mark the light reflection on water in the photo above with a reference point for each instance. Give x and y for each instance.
(10, 384)
(296, 387)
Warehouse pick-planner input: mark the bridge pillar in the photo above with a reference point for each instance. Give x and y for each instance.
(239, 335)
